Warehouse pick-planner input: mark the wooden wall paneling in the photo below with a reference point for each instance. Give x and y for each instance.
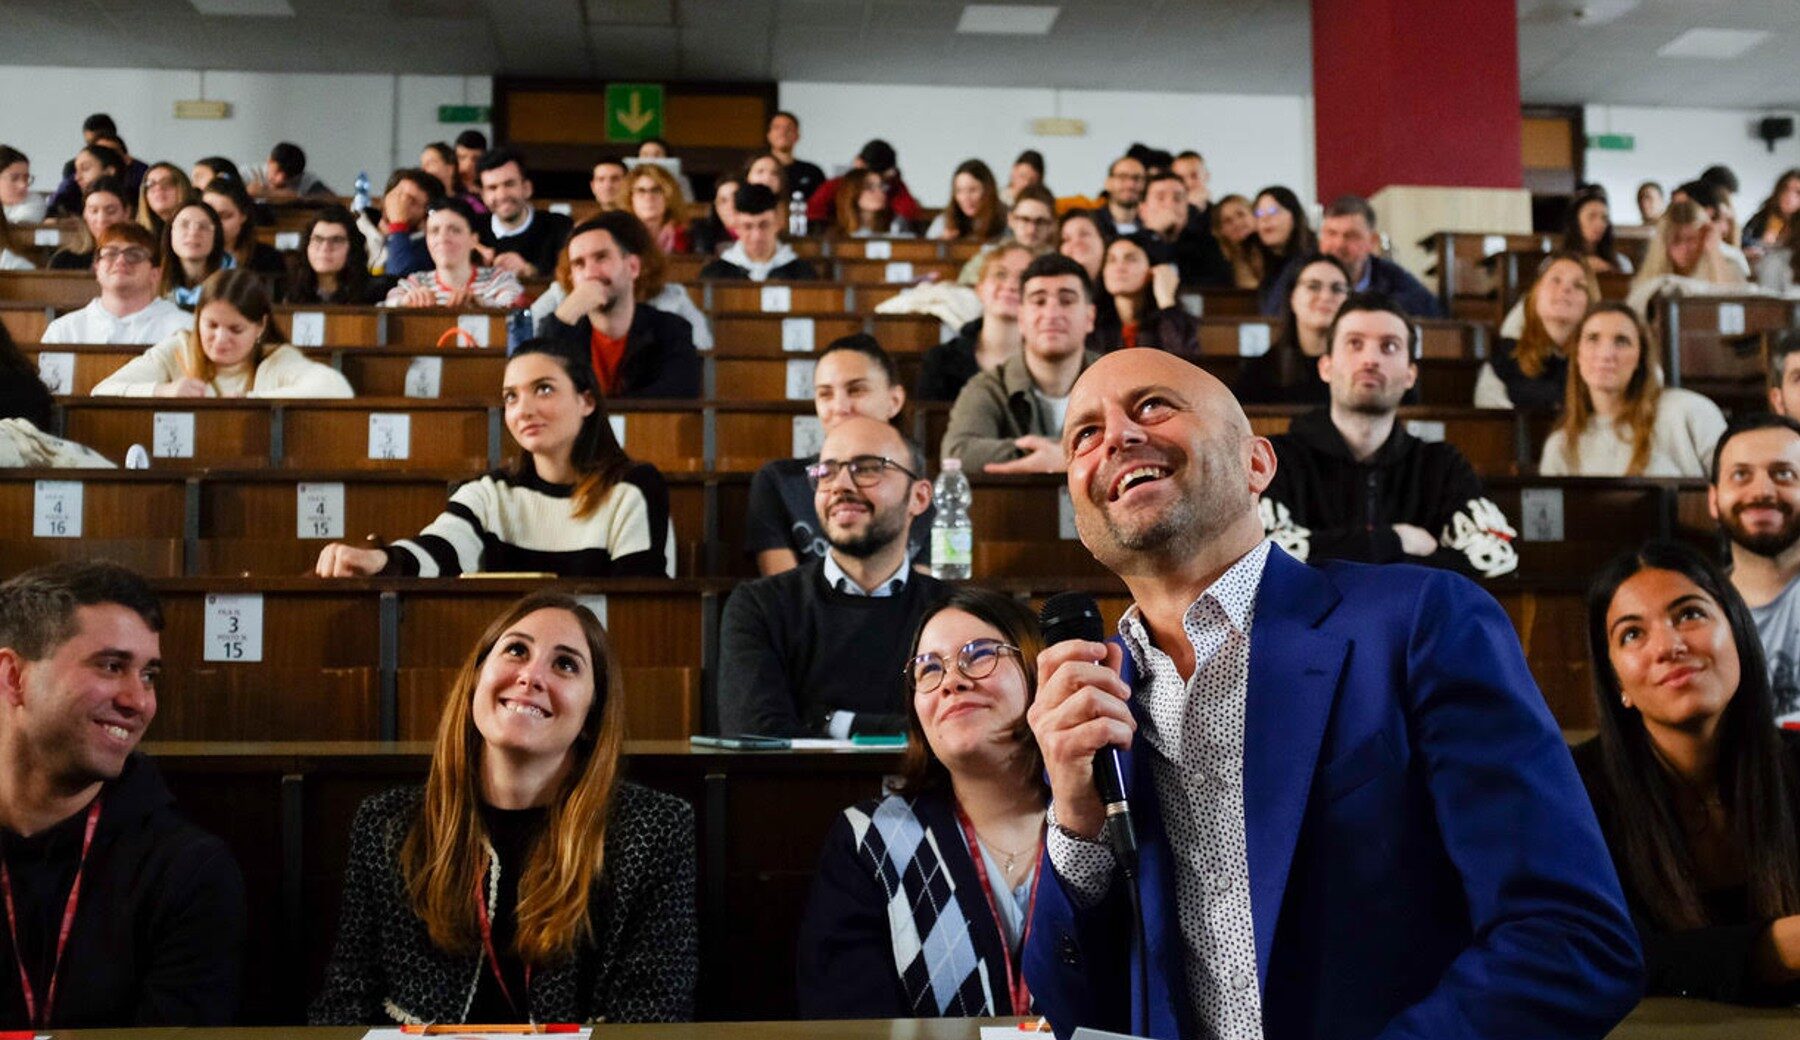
(444, 435)
(24, 322)
(227, 434)
(669, 435)
(817, 298)
(63, 290)
(466, 374)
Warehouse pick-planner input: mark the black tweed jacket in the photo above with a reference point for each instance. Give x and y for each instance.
(641, 967)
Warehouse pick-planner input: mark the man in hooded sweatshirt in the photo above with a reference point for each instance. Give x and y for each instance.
(758, 254)
(119, 912)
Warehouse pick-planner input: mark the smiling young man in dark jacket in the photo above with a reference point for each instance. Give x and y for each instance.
(1352, 484)
(119, 912)
(636, 350)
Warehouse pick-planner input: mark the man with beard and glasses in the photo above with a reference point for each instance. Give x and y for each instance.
(1755, 497)
(817, 651)
(1353, 484)
(636, 350)
(1356, 815)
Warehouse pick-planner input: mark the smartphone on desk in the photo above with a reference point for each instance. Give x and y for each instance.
(742, 743)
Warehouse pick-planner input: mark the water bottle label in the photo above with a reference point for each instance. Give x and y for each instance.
(952, 546)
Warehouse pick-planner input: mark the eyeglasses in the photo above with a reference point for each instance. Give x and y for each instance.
(1267, 211)
(28, 179)
(129, 257)
(1033, 221)
(976, 660)
(160, 182)
(1313, 285)
(329, 241)
(865, 470)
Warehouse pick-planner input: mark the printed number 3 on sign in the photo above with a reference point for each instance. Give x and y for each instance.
(233, 627)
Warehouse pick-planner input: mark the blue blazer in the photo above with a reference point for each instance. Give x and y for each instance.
(1423, 859)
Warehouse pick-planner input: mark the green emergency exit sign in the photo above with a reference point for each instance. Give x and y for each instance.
(634, 111)
(465, 114)
(1612, 142)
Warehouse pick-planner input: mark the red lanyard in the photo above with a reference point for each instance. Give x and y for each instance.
(62, 935)
(493, 958)
(1015, 981)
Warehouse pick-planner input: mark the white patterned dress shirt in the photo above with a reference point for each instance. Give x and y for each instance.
(1194, 734)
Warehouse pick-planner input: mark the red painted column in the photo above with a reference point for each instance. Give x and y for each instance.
(1415, 92)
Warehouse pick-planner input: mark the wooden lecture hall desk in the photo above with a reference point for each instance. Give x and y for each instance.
(285, 809)
(1655, 1019)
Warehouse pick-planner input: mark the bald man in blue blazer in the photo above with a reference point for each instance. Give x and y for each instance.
(1357, 816)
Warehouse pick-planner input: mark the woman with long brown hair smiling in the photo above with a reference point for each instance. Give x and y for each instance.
(526, 882)
(1697, 791)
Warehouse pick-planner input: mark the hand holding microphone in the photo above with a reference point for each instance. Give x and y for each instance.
(1080, 719)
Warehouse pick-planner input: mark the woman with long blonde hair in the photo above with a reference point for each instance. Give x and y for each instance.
(526, 881)
(1618, 419)
(1686, 244)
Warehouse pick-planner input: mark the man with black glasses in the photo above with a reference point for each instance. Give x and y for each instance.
(817, 650)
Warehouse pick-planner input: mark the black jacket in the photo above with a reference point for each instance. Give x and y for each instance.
(640, 965)
(1325, 505)
(159, 930)
(1540, 393)
(1711, 963)
(660, 359)
(1165, 328)
(722, 270)
(538, 244)
(1197, 253)
(24, 396)
(947, 366)
(1385, 277)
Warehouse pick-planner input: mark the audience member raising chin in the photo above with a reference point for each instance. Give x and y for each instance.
(527, 881)
(1619, 420)
(953, 851)
(573, 504)
(1697, 791)
(783, 666)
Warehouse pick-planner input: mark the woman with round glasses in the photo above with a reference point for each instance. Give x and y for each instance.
(954, 850)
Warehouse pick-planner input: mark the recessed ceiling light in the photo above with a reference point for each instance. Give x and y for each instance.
(245, 8)
(1007, 19)
(1719, 44)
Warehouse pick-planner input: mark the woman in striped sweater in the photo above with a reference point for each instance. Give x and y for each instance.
(454, 281)
(573, 504)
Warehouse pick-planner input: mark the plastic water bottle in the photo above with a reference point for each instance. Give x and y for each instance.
(361, 202)
(952, 536)
(797, 216)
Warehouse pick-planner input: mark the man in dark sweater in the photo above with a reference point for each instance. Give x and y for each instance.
(119, 912)
(525, 240)
(636, 350)
(1167, 215)
(817, 651)
(800, 175)
(1347, 232)
(1352, 484)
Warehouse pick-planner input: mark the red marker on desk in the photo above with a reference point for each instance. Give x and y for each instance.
(452, 1030)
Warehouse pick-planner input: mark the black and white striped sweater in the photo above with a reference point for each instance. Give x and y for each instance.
(507, 522)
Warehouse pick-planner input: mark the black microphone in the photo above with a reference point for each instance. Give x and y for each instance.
(1075, 615)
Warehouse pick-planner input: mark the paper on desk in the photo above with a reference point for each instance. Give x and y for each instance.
(833, 744)
(472, 1033)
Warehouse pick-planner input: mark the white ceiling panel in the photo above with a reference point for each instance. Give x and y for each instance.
(1226, 46)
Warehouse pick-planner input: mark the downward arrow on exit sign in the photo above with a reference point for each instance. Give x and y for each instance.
(634, 111)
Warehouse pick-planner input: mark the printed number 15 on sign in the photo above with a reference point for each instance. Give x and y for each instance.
(233, 627)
